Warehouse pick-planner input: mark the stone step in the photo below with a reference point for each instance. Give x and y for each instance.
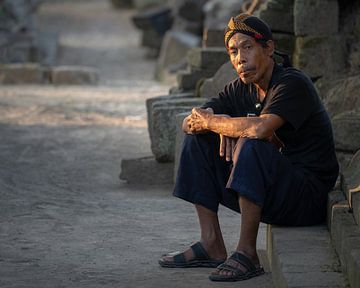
(303, 257)
(345, 236)
(207, 58)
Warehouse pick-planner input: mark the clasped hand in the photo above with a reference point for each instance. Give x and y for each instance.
(198, 122)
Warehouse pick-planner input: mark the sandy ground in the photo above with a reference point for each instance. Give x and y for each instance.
(66, 220)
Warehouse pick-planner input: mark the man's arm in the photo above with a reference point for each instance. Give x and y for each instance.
(188, 124)
(262, 127)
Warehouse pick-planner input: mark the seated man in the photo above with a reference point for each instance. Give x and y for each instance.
(268, 104)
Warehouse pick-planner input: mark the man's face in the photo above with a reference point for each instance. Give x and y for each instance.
(249, 58)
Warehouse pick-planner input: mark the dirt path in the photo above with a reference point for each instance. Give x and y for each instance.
(65, 218)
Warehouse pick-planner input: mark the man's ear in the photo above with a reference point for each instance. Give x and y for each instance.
(270, 47)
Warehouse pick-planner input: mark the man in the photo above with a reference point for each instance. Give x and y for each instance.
(276, 163)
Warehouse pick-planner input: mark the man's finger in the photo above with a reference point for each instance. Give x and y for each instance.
(228, 149)
(222, 145)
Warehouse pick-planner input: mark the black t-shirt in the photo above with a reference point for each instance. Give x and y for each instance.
(307, 132)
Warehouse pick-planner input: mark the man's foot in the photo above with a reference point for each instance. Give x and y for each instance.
(195, 256)
(236, 268)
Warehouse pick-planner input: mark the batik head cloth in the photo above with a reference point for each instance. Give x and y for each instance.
(249, 25)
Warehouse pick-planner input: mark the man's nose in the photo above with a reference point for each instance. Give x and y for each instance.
(240, 57)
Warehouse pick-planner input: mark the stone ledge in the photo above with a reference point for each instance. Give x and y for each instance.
(345, 236)
(303, 257)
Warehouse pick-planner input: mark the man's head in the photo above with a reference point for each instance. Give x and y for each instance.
(249, 43)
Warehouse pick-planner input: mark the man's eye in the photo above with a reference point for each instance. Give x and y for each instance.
(247, 46)
(233, 52)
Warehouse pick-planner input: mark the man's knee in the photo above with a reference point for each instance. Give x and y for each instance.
(246, 147)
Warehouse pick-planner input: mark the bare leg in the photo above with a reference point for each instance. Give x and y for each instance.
(210, 236)
(250, 220)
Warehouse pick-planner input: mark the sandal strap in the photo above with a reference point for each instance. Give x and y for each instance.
(199, 251)
(226, 267)
(179, 258)
(243, 260)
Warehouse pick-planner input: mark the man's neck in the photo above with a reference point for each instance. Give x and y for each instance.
(263, 84)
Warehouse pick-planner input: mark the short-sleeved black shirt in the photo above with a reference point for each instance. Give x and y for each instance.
(307, 132)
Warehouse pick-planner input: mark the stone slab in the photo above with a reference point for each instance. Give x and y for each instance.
(320, 56)
(207, 58)
(173, 51)
(149, 106)
(346, 127)
(188, 80)
(303, 257)
(28, 73)
(343, 96)
(74, 75)
(279, 15)
(164, 126)
(151, 171)
(316, 17)
(351, 185)
(225, 74)
(284, 43)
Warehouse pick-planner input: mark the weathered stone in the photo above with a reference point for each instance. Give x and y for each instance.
(279, 15)
(316, 17)
(319, 56)
(284, 43)
(29, 73)
(207, 58)
(354, 58)
(187, 80)
(166, 98)
(173, 51)
(151, 171)
(164, 126)
(223, 76)
(213, 37)
(157, 18)
(351, 184)
(344, 159)
(74, 75)
(346, 128)
(179, 139)
(344, 96)
(354, 268)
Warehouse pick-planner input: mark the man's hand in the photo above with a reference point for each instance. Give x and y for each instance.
(227, 145)
(197, 121)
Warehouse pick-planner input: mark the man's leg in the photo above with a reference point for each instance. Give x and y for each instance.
(201, 180)
(210, 236)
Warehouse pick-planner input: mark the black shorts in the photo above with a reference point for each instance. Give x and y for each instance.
(261, 174)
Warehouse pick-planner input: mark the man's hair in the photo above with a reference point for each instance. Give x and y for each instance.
(249, 25)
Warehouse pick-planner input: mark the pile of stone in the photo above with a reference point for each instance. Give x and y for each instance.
(20, 40)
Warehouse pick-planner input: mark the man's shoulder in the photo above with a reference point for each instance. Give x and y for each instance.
(293, 75)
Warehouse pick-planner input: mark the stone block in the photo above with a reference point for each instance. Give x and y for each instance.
(303, 257)
(335, 197)
(351, 184)
(284, 43)
(354, 268)
(179, 139)
(279, 15)
(207, 58)
(344, 96)
(187, 80)
(320, 56)
(28, 73)
(316, 17)
(74, 75)
(344, 159)
(225, 74)
(152, 172)
(164, 126)
(346, 127)
(122, 3)
(173, 51)
(213, 37)
(166, 98)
